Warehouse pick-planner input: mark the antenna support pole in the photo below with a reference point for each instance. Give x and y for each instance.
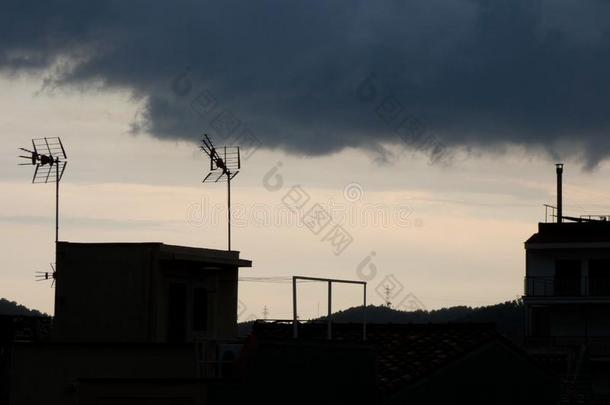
(56, 207)
(329, 333)
(56, 222)
(295, 319)
(229, 209)
(559, 170)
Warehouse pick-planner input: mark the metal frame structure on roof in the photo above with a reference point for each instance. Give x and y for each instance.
(330, 281)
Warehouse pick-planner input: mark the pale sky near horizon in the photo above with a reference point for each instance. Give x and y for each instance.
(450, 233)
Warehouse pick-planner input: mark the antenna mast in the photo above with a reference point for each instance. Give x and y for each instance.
(224, 166)
(49, 158)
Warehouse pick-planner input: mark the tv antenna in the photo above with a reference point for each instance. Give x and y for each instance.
(49, 157)
(48, 154)
(224, 166)
(46, 275)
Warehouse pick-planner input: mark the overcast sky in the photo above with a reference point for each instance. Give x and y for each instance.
(426, 131)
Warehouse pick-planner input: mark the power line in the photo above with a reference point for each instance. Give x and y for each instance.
(271, 280)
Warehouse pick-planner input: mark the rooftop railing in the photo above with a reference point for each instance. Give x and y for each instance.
(567, 286)
(596, 344)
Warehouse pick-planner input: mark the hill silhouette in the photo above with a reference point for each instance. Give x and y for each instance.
(12, 308)
(507, 316)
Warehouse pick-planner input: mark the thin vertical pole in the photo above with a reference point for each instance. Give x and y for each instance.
(559, 170)
(364, 315)
(56, 229)
(546, 215)
(56, 202)
(330, 298)
(56, 222)
(229, 208)
(295, 328)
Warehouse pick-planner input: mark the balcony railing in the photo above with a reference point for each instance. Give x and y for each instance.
(567, 287)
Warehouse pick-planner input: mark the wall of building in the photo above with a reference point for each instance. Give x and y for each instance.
(541, 262)
(567, 320)
(120, 293)
(226, 304)
(51, 373)
(575, 320)
(598, 320)
(103, 292)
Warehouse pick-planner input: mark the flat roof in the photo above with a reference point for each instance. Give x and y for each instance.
(571, 232)
(172, 252)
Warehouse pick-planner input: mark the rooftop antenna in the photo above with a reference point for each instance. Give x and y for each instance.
(224, 166)
(46, 275)
(49, 158)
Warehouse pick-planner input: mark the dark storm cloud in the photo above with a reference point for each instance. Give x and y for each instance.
(476, 73)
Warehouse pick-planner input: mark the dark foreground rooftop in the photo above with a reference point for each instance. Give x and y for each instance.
(405, 353)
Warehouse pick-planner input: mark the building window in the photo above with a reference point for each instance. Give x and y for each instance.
(567, 278)
(599, 277)
(176, 312)
(200, 309)
(540, 322)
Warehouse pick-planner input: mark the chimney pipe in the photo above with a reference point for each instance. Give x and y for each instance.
(559, 169)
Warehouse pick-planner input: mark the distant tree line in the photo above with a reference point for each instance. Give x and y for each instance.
(507, 316)
(12, 308)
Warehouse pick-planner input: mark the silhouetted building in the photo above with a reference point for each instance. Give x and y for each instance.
(567, 300)
(134, 323)
(145, 292)
(17, 328)
(148, 323)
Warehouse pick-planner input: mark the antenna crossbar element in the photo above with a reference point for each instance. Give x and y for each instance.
(218, 177)
(49, 158)
(207, 146)
(46, 275)
(226, 158)
(49, 173)
(51, 147)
